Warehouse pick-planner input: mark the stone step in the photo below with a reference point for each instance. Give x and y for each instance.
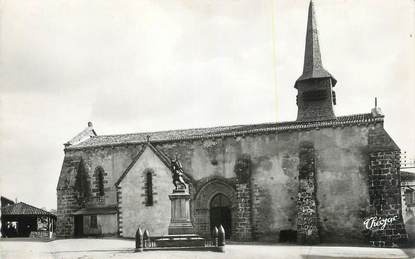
(190, 240)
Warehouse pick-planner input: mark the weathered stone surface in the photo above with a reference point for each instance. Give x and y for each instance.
(307, 214)
(244, 227)
(385, 199)
(274, 158)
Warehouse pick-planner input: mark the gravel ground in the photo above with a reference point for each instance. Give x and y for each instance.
(119, 248)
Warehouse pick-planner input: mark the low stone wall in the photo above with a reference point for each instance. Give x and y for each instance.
(42, 235)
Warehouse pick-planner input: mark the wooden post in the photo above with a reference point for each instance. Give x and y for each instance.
(139, 240)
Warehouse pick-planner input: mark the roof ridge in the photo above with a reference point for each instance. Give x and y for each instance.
(228, 126)
(184, 129)
(22, 206)
(224, 131)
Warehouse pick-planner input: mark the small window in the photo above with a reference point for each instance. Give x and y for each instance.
(99, 175)
(100, 183)
(149, 189)
(93, 221)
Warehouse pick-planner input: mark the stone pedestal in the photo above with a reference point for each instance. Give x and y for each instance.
(180, 231)
(180, 223)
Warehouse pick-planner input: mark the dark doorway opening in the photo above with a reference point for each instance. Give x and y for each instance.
(220, 214)
(288, 235)
(79, 225)
(18, 226)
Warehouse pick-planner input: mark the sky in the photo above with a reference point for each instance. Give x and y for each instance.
(134, 66)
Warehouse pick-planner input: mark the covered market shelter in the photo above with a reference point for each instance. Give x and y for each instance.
(23, 220)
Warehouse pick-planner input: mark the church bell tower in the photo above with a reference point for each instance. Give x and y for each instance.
(315, 96)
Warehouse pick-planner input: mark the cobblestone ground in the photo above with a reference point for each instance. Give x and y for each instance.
(118, 248)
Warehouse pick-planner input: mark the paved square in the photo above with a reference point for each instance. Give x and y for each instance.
(120, 248)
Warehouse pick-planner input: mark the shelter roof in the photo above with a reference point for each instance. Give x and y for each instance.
(22, 208)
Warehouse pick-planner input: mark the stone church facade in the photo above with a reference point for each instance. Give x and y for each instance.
(316, 179)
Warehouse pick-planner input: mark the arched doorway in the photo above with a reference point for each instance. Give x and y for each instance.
(221, 213)
(214, 192)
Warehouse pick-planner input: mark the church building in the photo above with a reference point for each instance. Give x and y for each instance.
(320, 178)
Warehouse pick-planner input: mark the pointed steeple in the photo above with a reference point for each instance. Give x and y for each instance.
(315, 96)
(313, 67)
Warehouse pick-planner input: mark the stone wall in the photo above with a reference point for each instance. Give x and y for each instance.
(342, 189)
(385, 199)
(341, 171)
(133, 211)
(307, 214)
(66, 206)
(243, 229)
(66, 198)
(384, 191)
(43, 235)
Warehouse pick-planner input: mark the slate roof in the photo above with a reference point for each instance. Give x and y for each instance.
(235, 130)
(5, 201)
(22, 208)
(313, 66)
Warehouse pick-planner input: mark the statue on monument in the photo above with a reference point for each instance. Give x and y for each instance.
(178, 172)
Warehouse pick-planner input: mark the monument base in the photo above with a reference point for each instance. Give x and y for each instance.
(180, 223)
(181, 228)
(180, 241)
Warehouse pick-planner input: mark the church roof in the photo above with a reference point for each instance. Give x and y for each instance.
(224, 131)
(313, 66)
(22, 208)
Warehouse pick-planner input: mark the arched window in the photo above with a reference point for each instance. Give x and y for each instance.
(99, 175)
(149, 188)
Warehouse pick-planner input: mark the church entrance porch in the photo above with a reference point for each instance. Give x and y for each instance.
(220, 214)
(215, 204)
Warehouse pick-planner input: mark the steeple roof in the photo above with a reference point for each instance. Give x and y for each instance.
(313, 67)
